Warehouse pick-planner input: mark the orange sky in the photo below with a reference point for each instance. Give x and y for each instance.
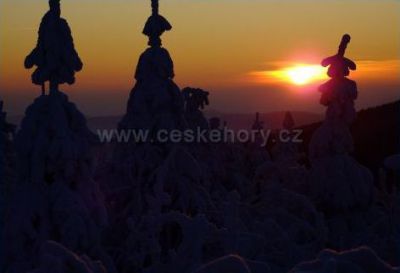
(218, 45)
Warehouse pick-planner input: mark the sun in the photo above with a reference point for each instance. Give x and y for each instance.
(299, 74)
(304, 74)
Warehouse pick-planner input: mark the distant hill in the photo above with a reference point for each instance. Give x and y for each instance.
(235, 121)
(272, 120)
(376, 134)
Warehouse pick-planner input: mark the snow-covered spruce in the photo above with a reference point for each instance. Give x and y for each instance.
(56, 197)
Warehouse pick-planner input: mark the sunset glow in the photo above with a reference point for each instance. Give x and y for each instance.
(300, 74)
(247, 56)
(303, 74)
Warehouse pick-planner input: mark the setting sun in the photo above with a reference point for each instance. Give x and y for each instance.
(300, 74)
(304, 74)
(293, 73)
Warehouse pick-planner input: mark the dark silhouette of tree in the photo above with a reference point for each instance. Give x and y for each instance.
(156, 25)
(339, 93)
(288, 121)
(54, 55)
(258, 124)
(155, 101)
